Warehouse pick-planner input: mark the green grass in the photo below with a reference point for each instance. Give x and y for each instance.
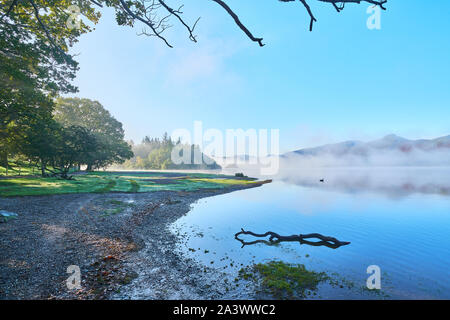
(282, 280)
(107, 188)
(101, 182)
(15, 170)
(22, 170)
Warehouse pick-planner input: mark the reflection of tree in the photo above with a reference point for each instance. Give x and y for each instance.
(275, 238)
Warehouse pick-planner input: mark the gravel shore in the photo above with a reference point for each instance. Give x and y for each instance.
(120, 241)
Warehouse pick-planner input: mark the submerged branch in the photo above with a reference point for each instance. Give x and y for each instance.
(275, 238)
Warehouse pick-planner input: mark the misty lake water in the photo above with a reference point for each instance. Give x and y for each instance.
(397, 219)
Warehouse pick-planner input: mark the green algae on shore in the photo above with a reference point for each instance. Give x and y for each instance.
(282, 280)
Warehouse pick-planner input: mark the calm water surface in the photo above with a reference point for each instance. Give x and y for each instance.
(398, 219)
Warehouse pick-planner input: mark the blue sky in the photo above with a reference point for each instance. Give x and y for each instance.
(341, 81)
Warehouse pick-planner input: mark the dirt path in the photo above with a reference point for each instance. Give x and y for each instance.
(120, 241)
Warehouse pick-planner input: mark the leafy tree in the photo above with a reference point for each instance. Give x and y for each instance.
(39, 141)
(34, 42)
(74, 144)
(34, 64)
(20, 109)
(108, 132)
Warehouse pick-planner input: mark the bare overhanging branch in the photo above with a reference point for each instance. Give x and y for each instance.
(157, 32)
(177, 13)
(148, 12)
(97, 3)
(335, 5)
(379, 3)
(238, 22)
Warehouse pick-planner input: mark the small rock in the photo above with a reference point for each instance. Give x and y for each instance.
(6, 215)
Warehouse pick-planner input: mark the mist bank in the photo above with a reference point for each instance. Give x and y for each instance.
(393, 166)
(390, 181)
(393, 182)
(371, 158)
(391, 150)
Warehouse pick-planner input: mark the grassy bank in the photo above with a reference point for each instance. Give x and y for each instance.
(101, 182)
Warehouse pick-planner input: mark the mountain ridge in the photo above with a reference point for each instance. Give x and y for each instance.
(389, 142)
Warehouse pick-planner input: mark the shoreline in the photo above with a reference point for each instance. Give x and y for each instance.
(120, 241)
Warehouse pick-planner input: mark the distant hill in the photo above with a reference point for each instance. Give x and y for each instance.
(390, 150)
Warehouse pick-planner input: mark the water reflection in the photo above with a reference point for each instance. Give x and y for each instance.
(392, 182)
(397, 218)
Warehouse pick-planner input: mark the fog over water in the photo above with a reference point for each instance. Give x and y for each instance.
(390, 164)
(360, 169)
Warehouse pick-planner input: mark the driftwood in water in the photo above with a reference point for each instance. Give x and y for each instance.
(275, 238)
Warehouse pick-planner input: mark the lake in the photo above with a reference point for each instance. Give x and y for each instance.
(395, 218)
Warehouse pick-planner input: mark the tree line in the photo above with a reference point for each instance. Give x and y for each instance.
(67, 134)
(37, 126)
(155, 153)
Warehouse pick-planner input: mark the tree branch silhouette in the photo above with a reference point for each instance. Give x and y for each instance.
(150, 21)
(155, 15)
